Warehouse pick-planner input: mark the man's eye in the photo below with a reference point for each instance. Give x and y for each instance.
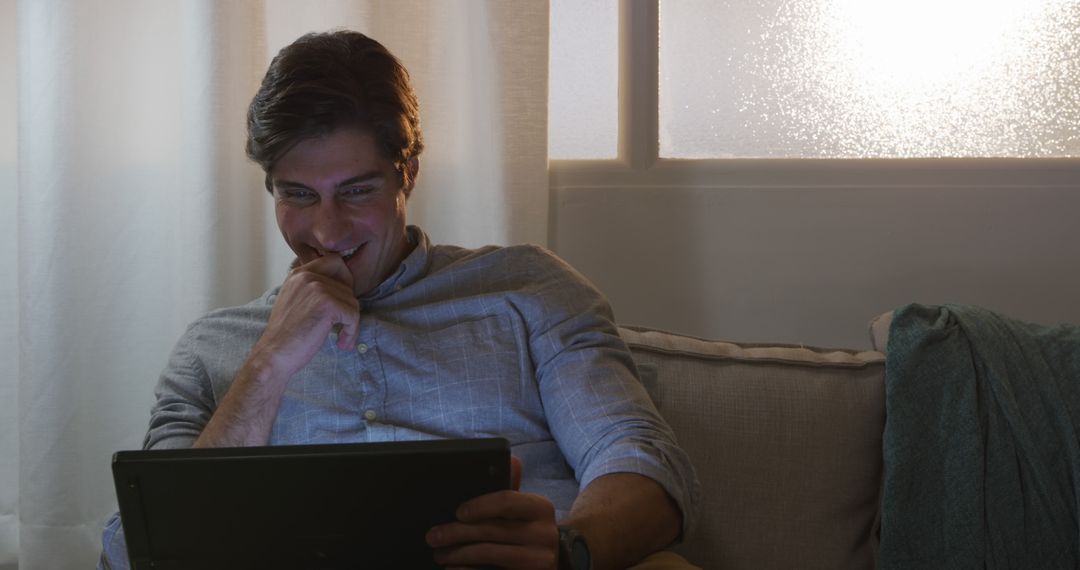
(354, 191)
(298, 195)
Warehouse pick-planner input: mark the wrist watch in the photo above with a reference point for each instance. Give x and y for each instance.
(573, 550)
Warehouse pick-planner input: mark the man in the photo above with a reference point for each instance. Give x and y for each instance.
(376, 335)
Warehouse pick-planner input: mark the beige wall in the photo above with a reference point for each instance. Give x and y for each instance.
(813, 266)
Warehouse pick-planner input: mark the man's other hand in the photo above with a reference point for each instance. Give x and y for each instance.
(508, 529)
(315, 298)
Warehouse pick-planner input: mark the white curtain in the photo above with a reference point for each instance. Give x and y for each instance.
(128, 207)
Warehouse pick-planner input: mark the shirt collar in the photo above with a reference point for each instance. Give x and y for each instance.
(412, 268)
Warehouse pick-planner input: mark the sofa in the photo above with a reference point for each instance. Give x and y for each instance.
(787, 442)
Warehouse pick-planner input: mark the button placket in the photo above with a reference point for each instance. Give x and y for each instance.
(370, 415)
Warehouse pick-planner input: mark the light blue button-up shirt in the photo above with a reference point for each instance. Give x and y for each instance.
(457, 343)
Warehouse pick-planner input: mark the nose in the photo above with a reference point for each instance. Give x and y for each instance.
(331, 227)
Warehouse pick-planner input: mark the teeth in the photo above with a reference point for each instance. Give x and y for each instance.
(345, 254)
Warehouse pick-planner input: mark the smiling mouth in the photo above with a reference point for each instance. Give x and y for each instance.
(345, 254)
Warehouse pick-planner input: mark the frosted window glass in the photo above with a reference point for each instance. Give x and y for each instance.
(869, 78)
(583, 105)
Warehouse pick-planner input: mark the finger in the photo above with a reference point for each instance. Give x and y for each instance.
(499, 555)
(515, 473)
(456, 534)
(323, 295)
(513, 505)
(323, 278)
(309, 282)
(493, 530)
(349, 330)
(342, 310)
(330, 265)
(308, 294)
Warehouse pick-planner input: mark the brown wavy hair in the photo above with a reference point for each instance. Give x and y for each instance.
(325, 81)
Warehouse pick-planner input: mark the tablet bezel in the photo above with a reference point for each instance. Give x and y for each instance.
(388, 492)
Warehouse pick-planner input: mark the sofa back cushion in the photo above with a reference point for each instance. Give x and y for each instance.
(786, 441)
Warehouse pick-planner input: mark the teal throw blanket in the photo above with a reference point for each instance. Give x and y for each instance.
(982, 459)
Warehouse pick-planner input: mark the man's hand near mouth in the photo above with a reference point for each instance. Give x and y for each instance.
(315, 299)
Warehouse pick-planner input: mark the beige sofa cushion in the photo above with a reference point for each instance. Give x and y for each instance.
(879, 331)
(786, 441)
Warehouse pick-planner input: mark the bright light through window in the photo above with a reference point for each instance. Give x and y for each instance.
(869, 78)
(903, 50)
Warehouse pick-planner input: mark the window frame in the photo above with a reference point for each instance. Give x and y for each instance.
(638, 163)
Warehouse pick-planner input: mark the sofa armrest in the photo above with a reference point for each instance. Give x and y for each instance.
(786, 441)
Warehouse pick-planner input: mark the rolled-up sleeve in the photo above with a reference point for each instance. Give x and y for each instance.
(184, 398)
(183, 405)
(113, 547)
(597, 408)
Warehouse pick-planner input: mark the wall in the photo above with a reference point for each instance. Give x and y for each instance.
(809, 251)
(813, 266)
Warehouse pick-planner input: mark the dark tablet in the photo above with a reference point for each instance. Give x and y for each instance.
(364, 505)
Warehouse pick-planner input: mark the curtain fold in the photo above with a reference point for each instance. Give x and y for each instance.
(9, 292)
(129, 207)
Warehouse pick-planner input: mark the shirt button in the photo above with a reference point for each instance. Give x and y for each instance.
(361, 348)
(370, 415)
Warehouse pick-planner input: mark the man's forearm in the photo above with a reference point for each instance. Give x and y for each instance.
(247, 412)
(624, 518)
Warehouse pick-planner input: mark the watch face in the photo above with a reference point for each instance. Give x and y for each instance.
(573, 550)
(579, 555)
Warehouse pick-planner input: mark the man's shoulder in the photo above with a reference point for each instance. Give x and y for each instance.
(233, 323)
(256, 307)
(533, 278)
(525, 258)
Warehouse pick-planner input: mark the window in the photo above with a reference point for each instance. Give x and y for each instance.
(811, 79)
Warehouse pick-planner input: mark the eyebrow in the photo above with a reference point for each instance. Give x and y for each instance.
(372, 176)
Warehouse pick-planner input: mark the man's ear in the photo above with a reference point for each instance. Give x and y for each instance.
(413, 169)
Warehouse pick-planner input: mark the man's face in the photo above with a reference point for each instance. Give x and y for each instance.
(335, 194)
